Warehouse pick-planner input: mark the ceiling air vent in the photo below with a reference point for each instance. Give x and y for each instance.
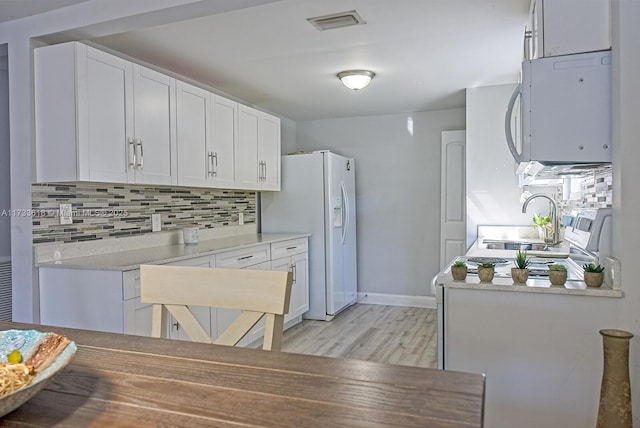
(337, 20)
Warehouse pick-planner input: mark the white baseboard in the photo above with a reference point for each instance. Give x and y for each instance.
(428, 302)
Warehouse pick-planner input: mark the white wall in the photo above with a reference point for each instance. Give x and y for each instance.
(397, 192)
(5, 189)
(626, 156)
(287, 135)
(493, 194)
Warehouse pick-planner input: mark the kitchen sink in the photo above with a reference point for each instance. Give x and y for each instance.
(523, 246)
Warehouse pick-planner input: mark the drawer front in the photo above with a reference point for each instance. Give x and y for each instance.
(288, 248)
(131, 284)
(202, 261)
(244, 257)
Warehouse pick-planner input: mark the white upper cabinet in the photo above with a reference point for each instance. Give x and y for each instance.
(247, 148)
(225, 134)
(194, 135)
(154, 127)
(84, 114)
(101, 118)
(269, 151)
(207, 132)
(104, 119)
(563, 27)
(258, 150)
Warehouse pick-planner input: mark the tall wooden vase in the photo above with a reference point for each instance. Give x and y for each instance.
(615, 393)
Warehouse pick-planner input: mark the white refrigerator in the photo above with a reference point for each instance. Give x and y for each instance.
(318, 197)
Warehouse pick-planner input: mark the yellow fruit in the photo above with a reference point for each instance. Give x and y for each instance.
(14, 357)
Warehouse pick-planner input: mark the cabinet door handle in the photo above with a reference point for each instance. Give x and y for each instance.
(262, 171)
(132, 153)
(141, 164)
(214, 157)
(294, 271)
(176, 326)
(245, 257)
(210, 159)
(291, 248)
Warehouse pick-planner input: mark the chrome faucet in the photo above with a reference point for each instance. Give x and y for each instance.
(554, 215)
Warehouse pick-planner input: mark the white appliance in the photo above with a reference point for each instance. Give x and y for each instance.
(589, 233)
(564, 112)
(318, 197)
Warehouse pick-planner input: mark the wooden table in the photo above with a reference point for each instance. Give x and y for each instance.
(118, 380)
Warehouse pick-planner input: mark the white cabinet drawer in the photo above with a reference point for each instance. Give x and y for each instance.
(202, 261)
(244, 257)
(288, 248)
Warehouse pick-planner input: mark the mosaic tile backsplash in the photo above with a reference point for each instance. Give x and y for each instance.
(593, 190)
(101, 211)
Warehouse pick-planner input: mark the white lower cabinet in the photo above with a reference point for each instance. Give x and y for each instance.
(202, 313)
(103, 300)
(290, 256)
(256, 257)
(137, 315)
(293, 256)
(109, 300)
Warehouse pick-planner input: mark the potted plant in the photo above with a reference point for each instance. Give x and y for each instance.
(520, 273)
(459, 270)
(544, 227)
(486, 272)
(557, 274)
(593, 275)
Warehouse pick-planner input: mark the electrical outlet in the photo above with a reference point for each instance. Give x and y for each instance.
(66, 216)
(240, 219)
(156, 223)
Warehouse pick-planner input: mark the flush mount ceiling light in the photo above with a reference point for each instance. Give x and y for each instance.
(356, 79)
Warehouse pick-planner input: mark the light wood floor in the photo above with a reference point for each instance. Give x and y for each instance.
(387, 334)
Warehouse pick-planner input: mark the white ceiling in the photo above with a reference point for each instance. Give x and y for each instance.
(15, 9)
(424, 53)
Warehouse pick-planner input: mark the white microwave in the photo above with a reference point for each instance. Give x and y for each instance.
(564, 111)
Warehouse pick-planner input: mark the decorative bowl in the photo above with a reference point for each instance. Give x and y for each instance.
(30, 343)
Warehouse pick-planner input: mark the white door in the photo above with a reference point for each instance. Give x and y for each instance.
(108, 114)
(269, 150)
(155, 126)
(193, 134)
(246, 155)
(452, 197)
(349, 231)
(225, 133)
(338, 293)
(202, 313)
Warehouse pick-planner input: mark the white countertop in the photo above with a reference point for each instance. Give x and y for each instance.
(577, 288)
(574, 285)
(132, 259)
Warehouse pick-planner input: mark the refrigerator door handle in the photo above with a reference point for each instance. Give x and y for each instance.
(345, 211)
